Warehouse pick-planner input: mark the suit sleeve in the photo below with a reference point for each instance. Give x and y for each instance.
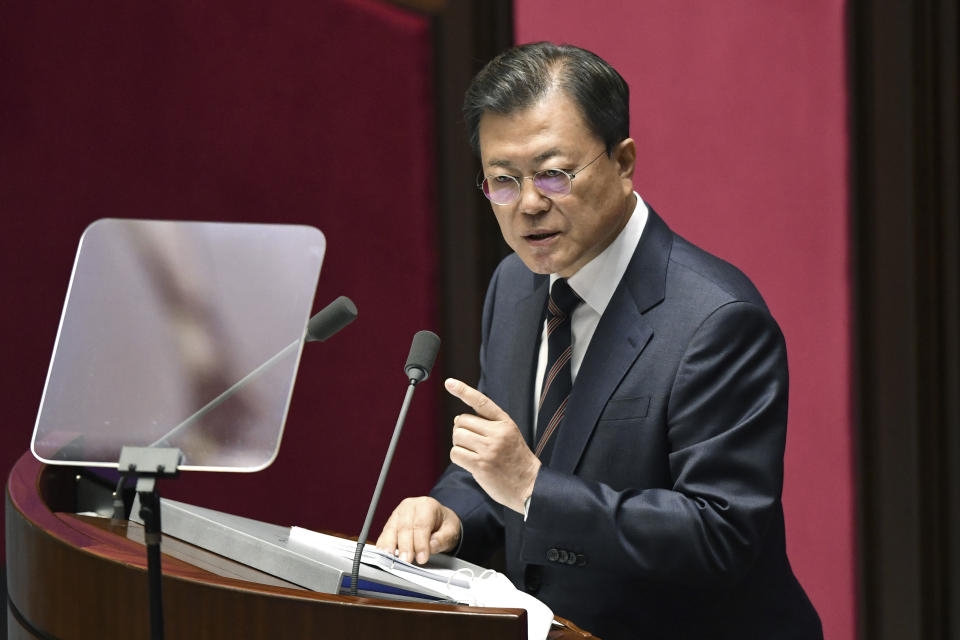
(726, 428)
(480, 516)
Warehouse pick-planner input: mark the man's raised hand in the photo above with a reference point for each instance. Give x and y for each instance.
(489, 445)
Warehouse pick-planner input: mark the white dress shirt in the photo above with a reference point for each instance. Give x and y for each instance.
(595, 283)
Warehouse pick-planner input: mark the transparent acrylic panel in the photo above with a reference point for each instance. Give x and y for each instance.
(179, 334)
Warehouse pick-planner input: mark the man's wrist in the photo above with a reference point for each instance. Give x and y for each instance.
(528, 494)
(456, 548)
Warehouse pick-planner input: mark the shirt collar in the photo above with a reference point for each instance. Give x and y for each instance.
(596, 281)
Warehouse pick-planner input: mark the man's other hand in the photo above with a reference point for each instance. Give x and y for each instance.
(489, 445)
(419, 527)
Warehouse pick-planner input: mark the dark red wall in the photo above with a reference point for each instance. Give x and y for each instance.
(306, 111)
(739, 113)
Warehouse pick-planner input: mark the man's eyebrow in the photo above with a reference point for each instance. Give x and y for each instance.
(546, 155)
(537, 159)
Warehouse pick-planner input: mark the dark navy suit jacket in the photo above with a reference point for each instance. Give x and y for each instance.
(659, 514)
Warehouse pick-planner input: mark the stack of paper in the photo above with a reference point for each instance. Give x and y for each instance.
(442, 576)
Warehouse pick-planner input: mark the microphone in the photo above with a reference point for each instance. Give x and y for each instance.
(423, 353)
(323, 325)
(331, 319)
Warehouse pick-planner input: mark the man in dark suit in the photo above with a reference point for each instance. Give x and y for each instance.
(626, 445)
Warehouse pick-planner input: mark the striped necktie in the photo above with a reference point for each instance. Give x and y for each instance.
(557, 380)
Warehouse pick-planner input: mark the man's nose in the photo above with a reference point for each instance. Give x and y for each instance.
(532, 201)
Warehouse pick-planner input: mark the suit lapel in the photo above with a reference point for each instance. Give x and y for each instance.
(523, 356)
(620, 337)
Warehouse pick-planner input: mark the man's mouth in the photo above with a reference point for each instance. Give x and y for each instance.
(540, 236)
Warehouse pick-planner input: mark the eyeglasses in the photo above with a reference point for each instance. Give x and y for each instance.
(505, 189)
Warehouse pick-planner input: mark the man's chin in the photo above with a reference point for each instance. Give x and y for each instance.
(539, 266)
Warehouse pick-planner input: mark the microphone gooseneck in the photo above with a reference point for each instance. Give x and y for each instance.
(423, 353)
(326, 322)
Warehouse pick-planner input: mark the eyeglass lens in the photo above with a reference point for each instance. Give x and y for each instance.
(506, 189)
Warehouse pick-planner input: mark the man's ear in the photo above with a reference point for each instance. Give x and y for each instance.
(625, 155)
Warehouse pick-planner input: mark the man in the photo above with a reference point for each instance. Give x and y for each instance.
(626, 445)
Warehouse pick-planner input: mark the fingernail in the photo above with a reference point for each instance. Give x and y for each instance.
(450, 383)
(405, 556)
(421, 557)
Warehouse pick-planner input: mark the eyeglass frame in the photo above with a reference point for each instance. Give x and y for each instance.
(481, 178)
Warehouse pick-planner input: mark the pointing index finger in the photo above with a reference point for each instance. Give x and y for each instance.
(484, 406)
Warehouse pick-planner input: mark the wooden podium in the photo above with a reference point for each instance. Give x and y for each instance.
(74, 577)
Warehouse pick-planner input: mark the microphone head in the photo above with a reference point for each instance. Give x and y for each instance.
(331, 319)
(423, 352)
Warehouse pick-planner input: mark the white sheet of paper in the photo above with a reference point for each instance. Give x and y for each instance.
(489, 589)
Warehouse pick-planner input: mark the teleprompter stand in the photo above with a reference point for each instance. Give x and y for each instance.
(173, 311)
(147, 465)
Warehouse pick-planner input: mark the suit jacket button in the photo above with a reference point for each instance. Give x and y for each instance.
(572, 558)
(581, 560)
(553, 555)
(563, 556)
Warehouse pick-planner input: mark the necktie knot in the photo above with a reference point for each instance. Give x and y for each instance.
(563, 299)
